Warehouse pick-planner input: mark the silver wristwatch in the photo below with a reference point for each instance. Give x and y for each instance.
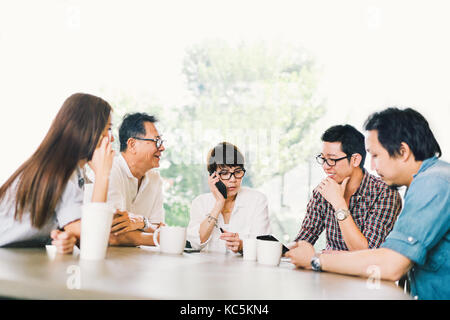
(342, 214)
(146, 224)
(315, 263)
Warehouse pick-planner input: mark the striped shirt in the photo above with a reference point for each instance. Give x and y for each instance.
(374, 208)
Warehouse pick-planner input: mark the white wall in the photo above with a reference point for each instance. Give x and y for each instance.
(372, 54)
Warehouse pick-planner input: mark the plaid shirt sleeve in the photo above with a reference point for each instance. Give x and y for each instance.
(313, 224)
(382, 217)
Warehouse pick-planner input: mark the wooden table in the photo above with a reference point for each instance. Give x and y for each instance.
(144, 273)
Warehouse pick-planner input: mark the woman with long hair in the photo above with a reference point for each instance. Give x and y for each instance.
(43, 197)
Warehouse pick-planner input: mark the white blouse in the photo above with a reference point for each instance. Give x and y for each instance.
(22, 233)
(249, 218)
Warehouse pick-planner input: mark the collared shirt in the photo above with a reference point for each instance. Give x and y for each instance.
(422, 232)
(15, 233)
(249, 218)
(124, 194)
(374, 208)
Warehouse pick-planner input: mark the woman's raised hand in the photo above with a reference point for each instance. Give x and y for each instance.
(212, 180)
(102, 159)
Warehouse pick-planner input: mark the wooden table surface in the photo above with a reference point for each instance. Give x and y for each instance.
(145, 273)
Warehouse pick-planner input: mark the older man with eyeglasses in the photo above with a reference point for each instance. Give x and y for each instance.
(356, 209)
(135, 190)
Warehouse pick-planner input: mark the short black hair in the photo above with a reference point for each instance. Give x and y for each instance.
(395, 126)
(224, 154)
(133, 126)
(352, 141)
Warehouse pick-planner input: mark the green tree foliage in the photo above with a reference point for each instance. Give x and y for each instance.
(260, 96)
(258, 91)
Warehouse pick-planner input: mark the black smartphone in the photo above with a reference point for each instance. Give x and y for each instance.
(220, 186)
(272, 238)
(188, 248)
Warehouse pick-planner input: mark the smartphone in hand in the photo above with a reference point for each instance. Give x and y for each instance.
(220, 186)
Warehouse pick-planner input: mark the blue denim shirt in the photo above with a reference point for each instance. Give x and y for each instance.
(421, 232)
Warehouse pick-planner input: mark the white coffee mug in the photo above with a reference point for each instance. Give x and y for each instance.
(172, 239)
(96, 220)
(268, 252)
(249, 249)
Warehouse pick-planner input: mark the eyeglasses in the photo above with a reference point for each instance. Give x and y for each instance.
(226, 175)
(331, 162)
(158, 141)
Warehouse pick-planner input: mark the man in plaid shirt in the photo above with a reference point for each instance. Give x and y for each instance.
(357, 209)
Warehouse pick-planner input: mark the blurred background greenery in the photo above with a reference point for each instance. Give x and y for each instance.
(256, 87)
(260, 96)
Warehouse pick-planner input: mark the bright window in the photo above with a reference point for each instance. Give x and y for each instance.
(269, 76)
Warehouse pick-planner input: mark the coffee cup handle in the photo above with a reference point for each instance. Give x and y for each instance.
(155, 237)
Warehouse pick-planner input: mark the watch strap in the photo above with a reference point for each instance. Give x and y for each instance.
(338, 212)
(315, 263)
(146, 224)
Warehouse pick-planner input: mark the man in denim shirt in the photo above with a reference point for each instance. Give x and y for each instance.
(404, 152)
(422, 233)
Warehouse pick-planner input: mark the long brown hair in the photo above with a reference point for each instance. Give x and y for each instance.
(73, 136)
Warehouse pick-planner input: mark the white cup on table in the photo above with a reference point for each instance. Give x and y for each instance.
(51, 251)
(249, 249)
(171, 240)
(96, 220)
(268, 252)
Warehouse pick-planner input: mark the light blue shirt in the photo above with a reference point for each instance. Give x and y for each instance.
(422, 233)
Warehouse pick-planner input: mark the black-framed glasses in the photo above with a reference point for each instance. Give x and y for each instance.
(238, 174)
(158, 141)
(331, 162)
